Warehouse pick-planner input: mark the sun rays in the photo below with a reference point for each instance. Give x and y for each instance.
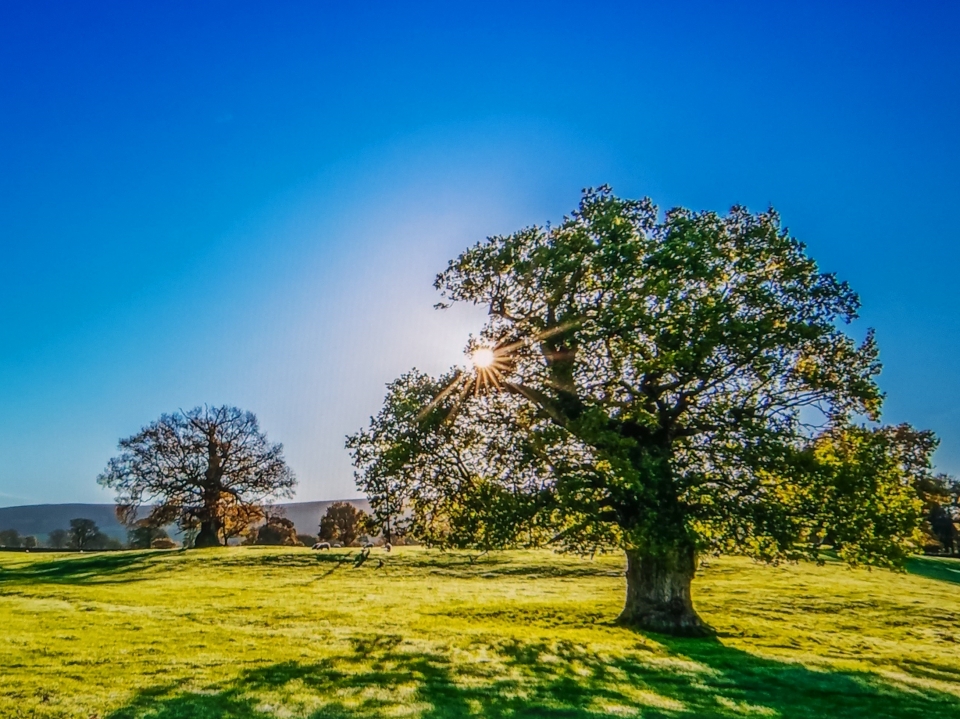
(491, 364)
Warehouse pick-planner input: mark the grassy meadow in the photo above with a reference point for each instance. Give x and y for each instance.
(275, 632)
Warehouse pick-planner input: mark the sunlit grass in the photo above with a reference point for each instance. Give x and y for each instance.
(262, 632)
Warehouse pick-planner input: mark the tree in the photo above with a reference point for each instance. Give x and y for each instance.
(30, 542)
(58, 538)
(143, 535)
(941, 498)
(85, 534)
(237, 517)
(10, 538)
(306, 540)
(278, 531)
(672, 382)
(343, 523)
(204, 468)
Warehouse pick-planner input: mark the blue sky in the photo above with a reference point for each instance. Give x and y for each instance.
(246, 203)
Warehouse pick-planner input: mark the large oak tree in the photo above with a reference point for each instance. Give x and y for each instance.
(204, 468)
(665, 383)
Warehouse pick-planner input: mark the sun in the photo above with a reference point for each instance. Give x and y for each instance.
(483, 358)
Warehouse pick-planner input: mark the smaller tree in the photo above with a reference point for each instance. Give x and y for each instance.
(58, 539)
(306, 540)
(30, 542)
(277, 531)
(10, 538)
(343, 523)
(143, 535)
(941, 500)
(238, 517)
(84, 534)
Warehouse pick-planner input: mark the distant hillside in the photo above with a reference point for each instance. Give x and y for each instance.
(41, 519)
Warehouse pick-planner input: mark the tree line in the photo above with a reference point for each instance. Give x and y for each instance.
(83, 535)
(342, 523)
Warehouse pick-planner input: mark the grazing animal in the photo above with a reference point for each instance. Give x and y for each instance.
(388, 546)
(337, 545)
(321, 545)
(367, 545)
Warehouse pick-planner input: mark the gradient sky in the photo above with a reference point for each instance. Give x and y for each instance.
(246, 203)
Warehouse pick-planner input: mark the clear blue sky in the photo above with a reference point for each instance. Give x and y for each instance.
(246, 203)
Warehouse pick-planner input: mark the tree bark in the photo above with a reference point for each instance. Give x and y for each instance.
(658, 593)
(209, 535)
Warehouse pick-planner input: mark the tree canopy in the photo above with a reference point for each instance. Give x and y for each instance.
(664, 383)
(343, 523)
(278, 531)
(85, 535)
(210, 468)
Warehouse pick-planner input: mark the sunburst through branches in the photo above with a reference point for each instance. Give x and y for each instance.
(490, 366)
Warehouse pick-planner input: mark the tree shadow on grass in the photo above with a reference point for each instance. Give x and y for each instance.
(382, 676)
(946, 569)
(105, 568)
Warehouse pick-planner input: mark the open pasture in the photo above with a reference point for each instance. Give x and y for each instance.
(271, 632)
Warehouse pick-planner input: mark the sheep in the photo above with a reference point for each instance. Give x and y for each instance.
(388, 546)
(337, 545)
(321, 545)
(367, 545)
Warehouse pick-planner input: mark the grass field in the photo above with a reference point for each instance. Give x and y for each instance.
(266, 632)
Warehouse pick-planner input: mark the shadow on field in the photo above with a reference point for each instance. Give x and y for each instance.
(687, 678)
(106, 568)
(946, 569)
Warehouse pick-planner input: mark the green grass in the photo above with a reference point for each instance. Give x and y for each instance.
(263, 632)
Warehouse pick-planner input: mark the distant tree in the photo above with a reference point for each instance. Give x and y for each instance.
(142, 536)
(343, 523)
(238, 517)
(30, 542)
(58, 539)
(85, 534)
(105, 542)
(307, 540)
(10, 538)
(680, 376)
(198, 468)
(941, 498)
(277, 531)
(163, 543)
(860, 486)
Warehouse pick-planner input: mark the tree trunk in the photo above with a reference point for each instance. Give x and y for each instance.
(658, 593)
(209, 535)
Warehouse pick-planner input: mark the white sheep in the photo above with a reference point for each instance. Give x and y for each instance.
(321, 545)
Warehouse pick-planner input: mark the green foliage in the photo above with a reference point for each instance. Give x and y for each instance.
(941, 498)
(466, 483)
(143, 536)
(58, 539)
(277, 531)
(674, 380)
(85, 534)
(30, 542)
(10, 538)
(257, 632)
(343, 523)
